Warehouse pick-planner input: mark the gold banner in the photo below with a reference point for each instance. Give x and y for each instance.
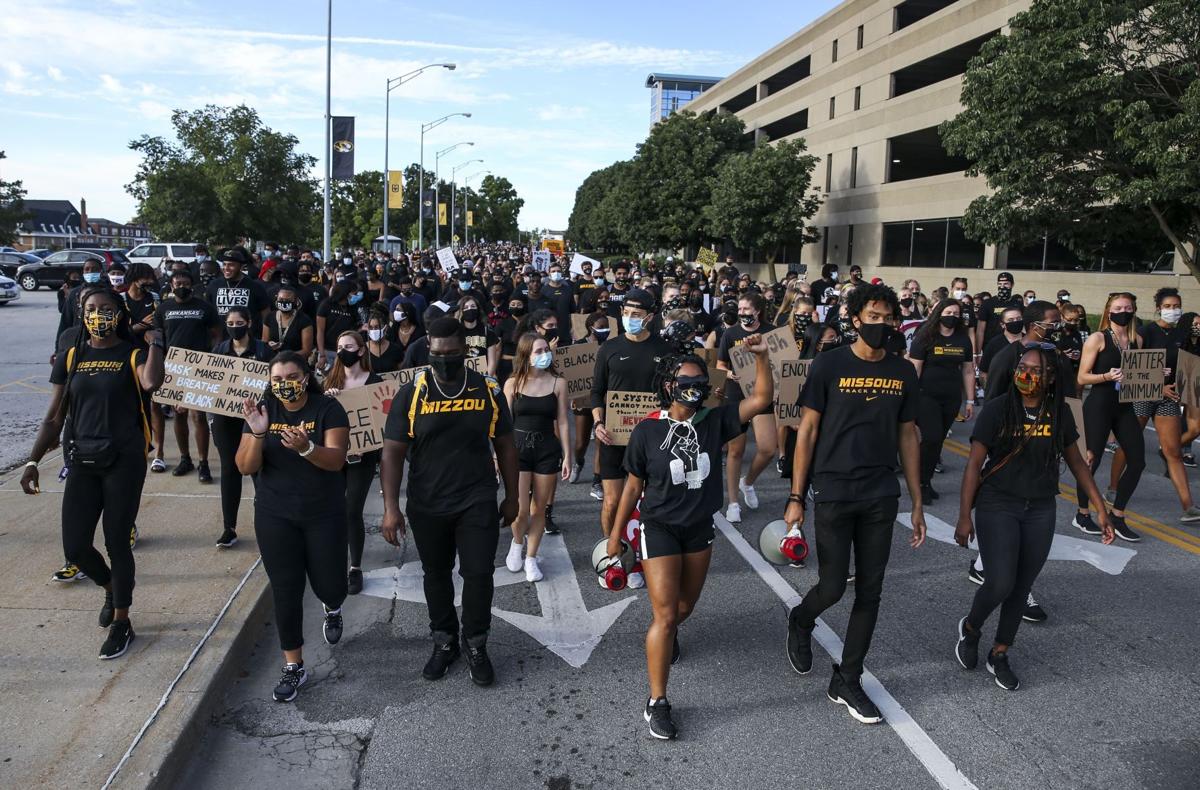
(395, 189)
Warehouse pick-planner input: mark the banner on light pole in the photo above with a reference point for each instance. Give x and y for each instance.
(395, 189)
(343, 147)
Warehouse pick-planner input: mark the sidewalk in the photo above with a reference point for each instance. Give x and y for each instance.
(67, 717)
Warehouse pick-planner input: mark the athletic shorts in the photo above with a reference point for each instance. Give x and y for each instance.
(612, 462)
(538, 452)
(1157, 408)
(660, 540)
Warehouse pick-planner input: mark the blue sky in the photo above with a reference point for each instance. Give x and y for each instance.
(555, 89)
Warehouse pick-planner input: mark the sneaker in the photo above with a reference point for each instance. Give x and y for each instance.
(675, 650)
(597, 492)
(514, 558)
(185, 465)
(1122, 529)
(204, 475)
(967, 649)
(850, 579)
(733, 513)
(1189, 460)
(120, 635)
(445, 653)
(533, 572)
(779, 466)
(551, 527)
(997, 664)
(927, 493)
(68, 573)
(799, 647)
(658, 716)
(974, 576)
(1110, 447)
(938, 469)
(228, 539)
(848, 691)
(133, 536)
(1034, 613)
(354, 581)
(1110, 496)
(106, 611)
(1083, 522)
(158, 466)
(1190, 516)
(575, 470)
(748, 494)
(294, 676)
(332, 627)
(478, 663)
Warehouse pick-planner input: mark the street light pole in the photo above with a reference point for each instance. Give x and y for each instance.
(437, 178)
(328, 127)
(67, 228)
(467, 201)
(425, 127)
(454, 193)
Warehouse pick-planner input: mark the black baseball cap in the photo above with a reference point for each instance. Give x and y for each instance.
(641, 299)
(234, 254)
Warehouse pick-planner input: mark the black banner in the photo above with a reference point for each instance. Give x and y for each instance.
(343, 147)
(428, 210)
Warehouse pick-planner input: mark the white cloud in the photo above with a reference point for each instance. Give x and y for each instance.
(111, 83)
(558, 112)
(153, 110)
(55, 73)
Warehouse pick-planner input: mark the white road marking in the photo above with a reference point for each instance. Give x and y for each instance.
(915, 738)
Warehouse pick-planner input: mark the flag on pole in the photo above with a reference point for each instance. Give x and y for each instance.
(343, 147)
(395, 189)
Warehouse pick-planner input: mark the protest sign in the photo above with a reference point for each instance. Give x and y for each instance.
(624, 410)
(367, 407)
(1187, 378)
(541, 260)
(1076, 406)
(577, 262)
(716, 378)
(210, 382)
(793, 373)
(780, 347)
(576, 363)
(478, 364)
(578, 325)
(402, 377)
(446, 258)
(707, 259)
(1142, 374)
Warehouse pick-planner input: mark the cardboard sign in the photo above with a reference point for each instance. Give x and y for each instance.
(578, 260)
(793, 373)
(402, 377)
(367, 407)
(541, 260)
(211, 383)
(578, 325)
(1187, 378)
(716, 378)
(478, 364)
(446, 258)
(577, 364)
(1142, 375)
(1076, 406)
(781, 347)
(709, 355)
(624, 410)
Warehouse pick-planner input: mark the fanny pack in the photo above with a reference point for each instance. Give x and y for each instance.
(94, 454)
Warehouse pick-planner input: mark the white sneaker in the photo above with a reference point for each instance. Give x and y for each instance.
(748, 494)
(733, 513)
(533, 572)
(636, 580)
(513, 560)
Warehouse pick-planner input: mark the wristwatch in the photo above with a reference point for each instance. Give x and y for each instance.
(307, 451)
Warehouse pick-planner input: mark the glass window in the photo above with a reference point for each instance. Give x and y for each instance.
(897, 243)
(929, 243)
(858, 97)
(853, 167)
(835, 50)
(828, 172)
(961, 252)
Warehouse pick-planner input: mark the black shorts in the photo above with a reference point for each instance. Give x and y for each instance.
(661, 540)
(538, 452)
(612, 462)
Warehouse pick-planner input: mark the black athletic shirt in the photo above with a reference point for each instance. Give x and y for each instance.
(1032, 473)
(625, 366)
(479, 339)
(338, 318)
(291, 485)
(734, 336)
(991, 311)
(449, 441)
(105, 395)
(943, 358)
(862, 405)
(246, 292)
(187, 324)
(990, 349)
(292, 339)
(681, 469)
(139, 309)
(1154, 336)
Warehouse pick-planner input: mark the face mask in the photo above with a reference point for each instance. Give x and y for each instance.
(116, 279)
(288, 391)
(1120, 319)
(875, 335)
(746, 320)
(237, 332)
(846, 326)
(555, 276)
(543, 360)
(182, 294)
(906, 302)
(960, 295)
(633, 325)
(599, 281)
(690, 391)
(464, 285)
(305, 278)
(1029, 299)
(1064, 297)
(516, 310)
(348, 357)
(398, 315)
(802, 321)
(91, 278)
(1195, 331)
(833, 277)
(948, 321)
(471, 316)
(447, 367)
(602, 334)
(1003, 292)
(1071, 326)
(1014, 327)
(285, 307)
(101, 323)
(1027, 383)
(498, 299)
(355, 298)
(375, 334)
(1172, 316)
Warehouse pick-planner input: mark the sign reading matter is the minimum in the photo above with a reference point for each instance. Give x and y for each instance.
(1143, 372)
(210, 382)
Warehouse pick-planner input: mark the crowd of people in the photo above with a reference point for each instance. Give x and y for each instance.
(892, 369)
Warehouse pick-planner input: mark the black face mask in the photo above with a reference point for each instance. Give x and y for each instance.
(285, 307)
(516, 312)
(471, 316)
(602, 334)
(875, 335)
(691, 391)
(802, 322)
(747, 320)
(949, 321)
(1120, 319)
(348, 357)
(497, 299)
(304, 278)
(1003, 292)
(906, 302)
(447, 367)
(182, 294)
(237, 332)
(1014, 327)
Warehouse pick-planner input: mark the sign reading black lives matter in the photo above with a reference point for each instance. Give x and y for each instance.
(1142, 374)
(210, 382)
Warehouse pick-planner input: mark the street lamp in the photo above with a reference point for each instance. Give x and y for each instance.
(67, 228)
(437, 187)
(425, 127)
(454, 193)
(392, 84)
(467, 200)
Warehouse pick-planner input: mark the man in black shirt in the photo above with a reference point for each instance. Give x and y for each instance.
(446, 424)
(992, 310)
(311, 293)
(860, 404)
(1041, 321)
(237, 289)
(561, 300)
(824, 290)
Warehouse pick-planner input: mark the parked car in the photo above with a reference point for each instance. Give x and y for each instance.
(155, 252)
(11, 261)
(52, 272)
(41, 252)
(8, 291)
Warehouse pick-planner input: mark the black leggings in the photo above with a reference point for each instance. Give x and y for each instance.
(294, 548)
(1014, 541)
(472, 535)
(227, 435)
(113, 494)
(358, 485)
(1101, 416)
(935, 417)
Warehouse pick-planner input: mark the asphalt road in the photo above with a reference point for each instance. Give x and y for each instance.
(27, 332)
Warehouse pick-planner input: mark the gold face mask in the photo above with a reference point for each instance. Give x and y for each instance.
(101, 323)
(288, 391)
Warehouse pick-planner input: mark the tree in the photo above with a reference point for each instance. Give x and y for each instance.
(1085, 119)
(12, 208)
(225, 178)
(356, 210)
(762, 199)
(596, 218)
(497, 209)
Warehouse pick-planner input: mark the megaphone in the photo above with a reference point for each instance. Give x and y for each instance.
(610, 572)
(783, 545)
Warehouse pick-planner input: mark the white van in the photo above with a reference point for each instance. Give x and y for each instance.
(156, 252)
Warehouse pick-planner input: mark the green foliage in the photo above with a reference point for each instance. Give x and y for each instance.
(12, 208)
(356, 210)
(1085, 120)
(496, 208)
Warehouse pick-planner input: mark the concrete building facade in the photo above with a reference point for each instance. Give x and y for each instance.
(866, 86)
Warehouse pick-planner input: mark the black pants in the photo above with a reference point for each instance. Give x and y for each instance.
(227, 435)
(472, 534)
(1101, 416)
(935, 417)
(114, 495)
(297, 547)
(867, 527)
(358, 485)
(1014, 541)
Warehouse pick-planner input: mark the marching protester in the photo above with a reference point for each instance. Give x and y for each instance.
(238, 289)
(597, 327)
(288, 327)
(335, 315)
(97, 406)
(294, 443)
(481, 340)
(446, 424)
(385, 355)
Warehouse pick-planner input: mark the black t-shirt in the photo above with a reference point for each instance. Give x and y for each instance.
(479, 339)
(1031, 473)
(967, 307)
(105, 395)
(311, 296)
(246, 292)
(417, 353)
(289, 484)
(187, 324)
(139, 309)
(389, 360)
(702, 321)
(625, 366)
(1004, 362)
(824, 291)
(681, 465)
(1154, 336)
(734, 336)
(862, 405)
(991, 311)
(991, 348)
(943, 358)
(449, 441)
(292, 337)
(338, 318)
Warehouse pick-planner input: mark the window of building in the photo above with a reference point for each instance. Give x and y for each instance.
(858, 97)
(828, 173)
(787, 125)
(832, 106)
(742, 100)
(939, 67)
(825, 246)
(849, 245)
(920, 154)
(835, 50)
(854, 167)
(912, 11)
(932, 243)
(789, 76)
(860, 36)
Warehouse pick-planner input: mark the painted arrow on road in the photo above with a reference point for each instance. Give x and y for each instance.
(406, 583)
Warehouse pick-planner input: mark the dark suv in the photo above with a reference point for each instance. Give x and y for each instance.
(11, 261)
(52, 271)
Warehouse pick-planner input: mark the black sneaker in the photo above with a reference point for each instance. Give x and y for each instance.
(551, 527)
(332, 628)
(927, 493)
(974, 576)
(658, 716)
(997, 664)
(227, 540)
(849, 692)
(967, 649)
(204, 475)
(1189, 460)
(120, 635)
(1083, 521)
(675, 651)
(576, 468)
(445, 653)
(1122, 529)
(106, 611)
(1033, 613)
(480, 666)
(354, 581)
(185, 465)
(294, 676)
(938, 468)
(799, 646)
